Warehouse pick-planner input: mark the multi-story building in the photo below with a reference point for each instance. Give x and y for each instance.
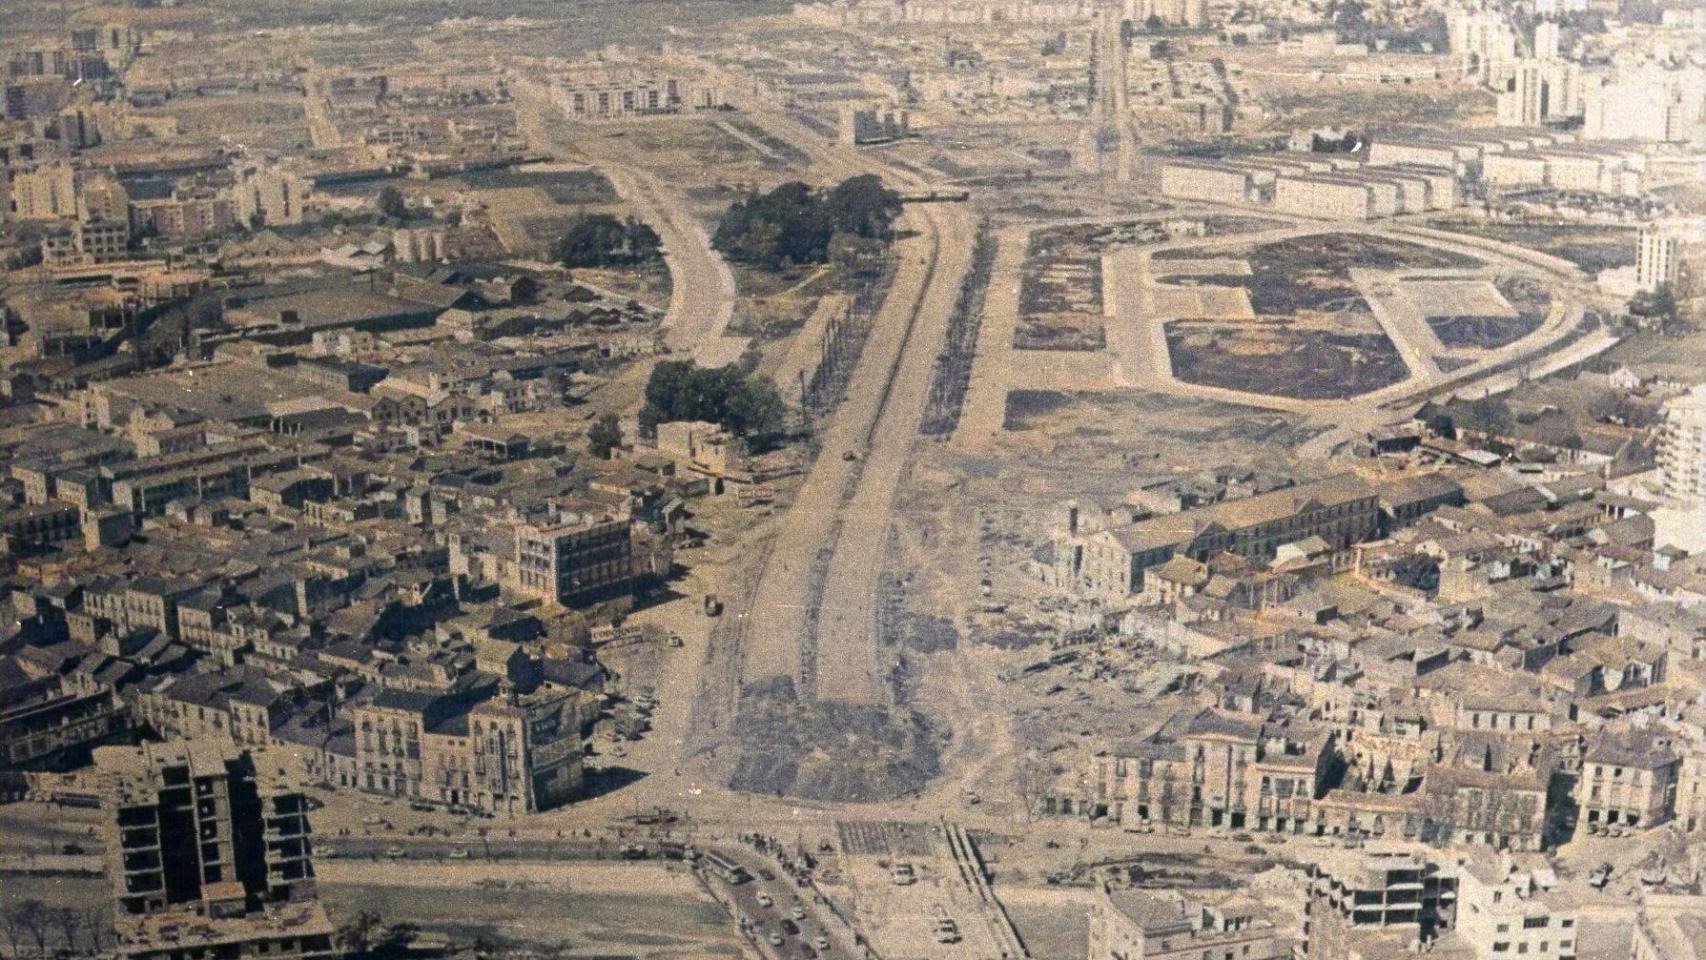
(1627, 781)
(1173, 13)
(1661, 249)
(266, 195)
(575, 559)
(611, 93)
(1390, 893)
(1213, 182)
(508, 757)
(1143, 924)
(208, 854)
(48, 192)
(1507, 906)
(1539, 90)
(53, 722)
(1109, 563)
(873, 124)
(1216, 770)
(1682, 447)
(186, 216)
(1335, 197)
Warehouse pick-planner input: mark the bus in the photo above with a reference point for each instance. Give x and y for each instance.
(728, 870)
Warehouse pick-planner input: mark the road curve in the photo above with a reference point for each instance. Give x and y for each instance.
(702, 288)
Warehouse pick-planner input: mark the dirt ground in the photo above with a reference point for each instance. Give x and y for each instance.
(605, 910)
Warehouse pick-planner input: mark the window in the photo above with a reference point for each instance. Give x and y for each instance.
(1500, 946)
(1534, 923)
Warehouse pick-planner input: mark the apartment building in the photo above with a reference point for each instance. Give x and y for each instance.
(1508, 905)
(1216, 769)
(509, 757)
(1336, 198)
(1212, 182)
(1166, 925)
(208, 854)
(1627, 782)
(615, 93)
(54, 722)
(1682, 447)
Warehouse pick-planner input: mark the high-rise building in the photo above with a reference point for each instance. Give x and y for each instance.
(1538, 90)
(208, 855)
(1661, 248)
(1682, 447)
(1546, 39)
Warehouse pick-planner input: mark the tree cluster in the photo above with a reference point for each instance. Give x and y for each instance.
(731, 397)
(604, 436)
(31, 926)
(391, 203)
(794, 224)
(601, 240)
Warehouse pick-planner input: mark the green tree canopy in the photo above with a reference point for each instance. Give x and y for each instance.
(731, 397)
(794, 224)
(605, 436)
(392, 203)
(601, 240)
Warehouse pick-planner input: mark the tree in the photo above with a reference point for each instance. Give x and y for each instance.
(31, 917)
(357, 935)
(1658, 302)
(97, 922)
(732, 397)
(601, 240)
(1489, 415)
(644, 244)
(391, 203)
(69, 921)
(864, 207)
(795, 224)
(13, 930)
(605, 436)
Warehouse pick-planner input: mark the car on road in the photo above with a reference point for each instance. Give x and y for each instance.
(903, 875)
(396, 853)
(459, 853)
(797, 912)
(947, 931)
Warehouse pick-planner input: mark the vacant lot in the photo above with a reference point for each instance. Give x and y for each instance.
(628, 910)
(563, 187)
(1281, 360)
(1593, 247)
(1310, 333)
